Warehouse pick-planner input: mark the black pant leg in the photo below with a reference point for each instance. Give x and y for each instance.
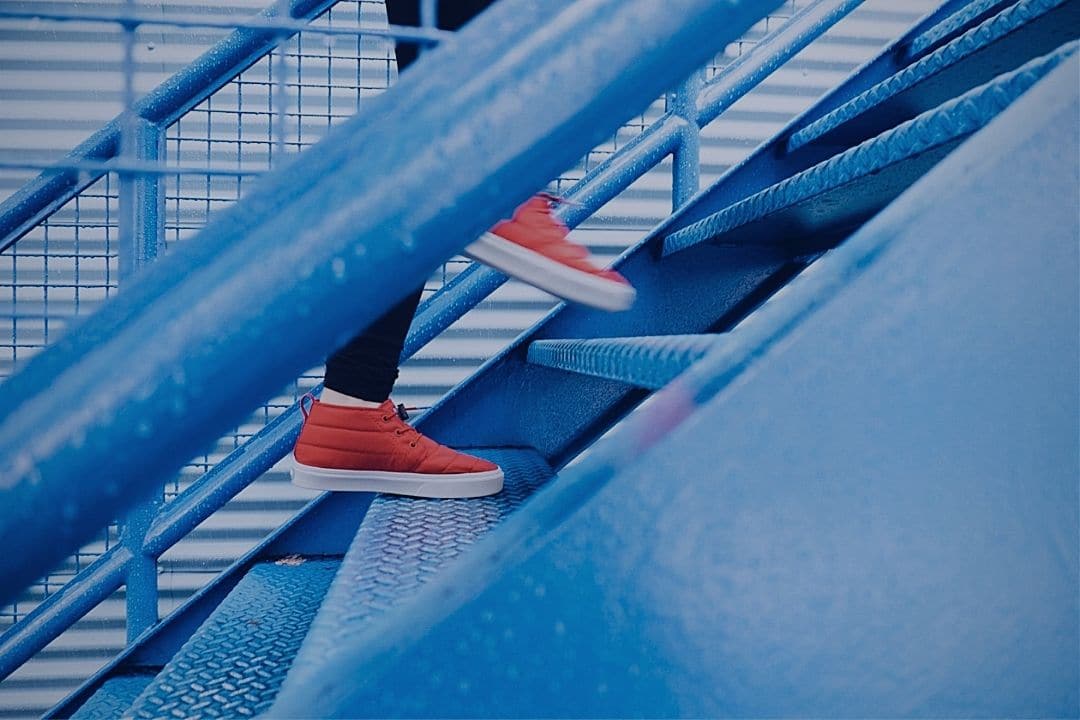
(367, 366)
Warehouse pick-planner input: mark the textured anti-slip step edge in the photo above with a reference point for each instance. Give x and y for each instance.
(954, 23)
(234, 664)
(402, 543)
(967, 44)
(114, 697)
(649, 362)
(949, 122)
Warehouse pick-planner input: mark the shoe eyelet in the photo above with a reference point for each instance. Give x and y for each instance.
(412, 444)
(386, 418)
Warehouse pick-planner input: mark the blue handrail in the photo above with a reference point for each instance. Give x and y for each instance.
(97, 421)
(270, 444)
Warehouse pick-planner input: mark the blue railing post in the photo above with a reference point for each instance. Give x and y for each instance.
(686, 174)
(141, 584)
(142, 212)
(142, 202)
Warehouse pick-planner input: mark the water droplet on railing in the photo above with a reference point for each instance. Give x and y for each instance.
(337, 266)
(151, 47)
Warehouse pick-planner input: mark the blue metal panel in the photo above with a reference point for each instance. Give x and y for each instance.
(848, 188)
(873, 512)
(321, 274)
(114, 697)
(1026, 30)
(648, 362)
(402, 544)
(235, 663)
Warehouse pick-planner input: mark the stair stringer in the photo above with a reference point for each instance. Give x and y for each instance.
(867, 502)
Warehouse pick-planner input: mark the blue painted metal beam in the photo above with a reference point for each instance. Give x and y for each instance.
(162, 106)
(134, 406)
(648, 362)
(1028, 29)
(845, 190)
(785, 568)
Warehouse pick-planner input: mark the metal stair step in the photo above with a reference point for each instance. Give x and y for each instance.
(955, 23)
(402, 544)
(649, 362)
(114, 697)
(235, 662)
(810, 210)
(1003, 42)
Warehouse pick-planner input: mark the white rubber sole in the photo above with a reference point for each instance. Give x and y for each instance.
(461, 485)
(550, 276)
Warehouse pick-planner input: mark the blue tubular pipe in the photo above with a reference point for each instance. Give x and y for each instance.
(749, 69)
(61, 609)
(96, 422)
(162, 106)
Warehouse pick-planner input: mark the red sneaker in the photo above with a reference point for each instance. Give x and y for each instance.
(533, 247)
(374, 450)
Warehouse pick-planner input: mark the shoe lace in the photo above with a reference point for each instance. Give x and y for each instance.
(403, 429)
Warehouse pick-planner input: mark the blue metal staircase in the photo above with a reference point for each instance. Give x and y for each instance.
(622, 585)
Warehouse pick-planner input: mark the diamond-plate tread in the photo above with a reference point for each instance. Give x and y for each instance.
(402, 543)
(234, 664)
(649, 362)
(941, 59)
(949, 122)
(953, 23)
(113, 698)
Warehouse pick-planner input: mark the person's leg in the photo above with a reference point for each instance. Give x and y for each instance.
(353, 438)
(366, 367)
